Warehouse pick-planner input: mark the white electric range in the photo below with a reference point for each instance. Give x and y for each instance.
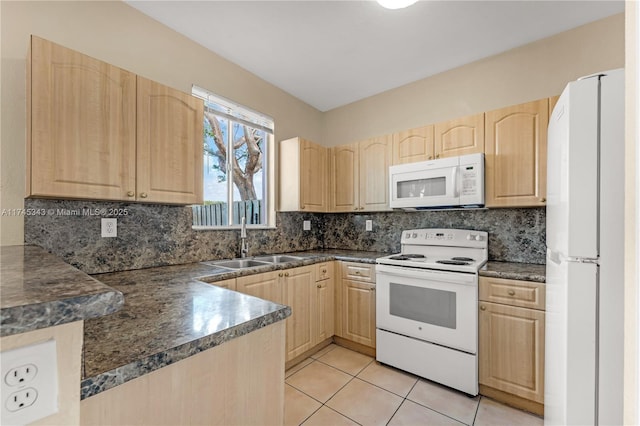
(426, 305)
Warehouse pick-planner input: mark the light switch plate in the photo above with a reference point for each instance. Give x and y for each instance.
(306, 225)
(369, 225)
(109, 227)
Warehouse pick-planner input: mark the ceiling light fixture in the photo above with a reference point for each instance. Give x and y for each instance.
(396, 4)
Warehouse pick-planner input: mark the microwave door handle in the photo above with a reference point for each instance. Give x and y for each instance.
(456, 182)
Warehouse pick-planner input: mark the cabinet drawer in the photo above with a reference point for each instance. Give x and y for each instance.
(358, 272)
(324, 271)
(526, 294)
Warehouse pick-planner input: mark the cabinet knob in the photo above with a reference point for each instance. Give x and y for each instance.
(543, 200)
(483, 308)
(130, 193)
(319, 286)
(324, 271)
(286, 274)
(357, 272)
(280, 274)
(511, 292)
(355, 208)
(302, 207)
(437, 155)
(430, 157)
(143, 195)
(372, 289)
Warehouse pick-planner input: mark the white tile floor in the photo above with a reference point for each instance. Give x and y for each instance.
(337, 386)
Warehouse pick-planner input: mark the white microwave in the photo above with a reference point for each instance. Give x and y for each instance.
(445, 183)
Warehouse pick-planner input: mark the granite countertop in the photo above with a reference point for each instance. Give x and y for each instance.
(39, 290)
(171, 313)
(514, 271)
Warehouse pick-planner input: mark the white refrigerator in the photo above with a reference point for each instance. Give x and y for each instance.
(584, 279)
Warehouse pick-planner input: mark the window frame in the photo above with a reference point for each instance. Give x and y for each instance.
(242, 115)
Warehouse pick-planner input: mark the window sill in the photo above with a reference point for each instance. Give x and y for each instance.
(230, 228)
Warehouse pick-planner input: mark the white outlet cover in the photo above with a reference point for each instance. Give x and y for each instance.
(306, 225)
(369, 225)
(109, 227)
(44, 382)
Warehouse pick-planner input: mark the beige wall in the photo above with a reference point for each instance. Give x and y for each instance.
(534, 71)
(116, 33)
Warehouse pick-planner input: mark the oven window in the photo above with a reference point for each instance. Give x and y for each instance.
(425, 305)
(421, 188)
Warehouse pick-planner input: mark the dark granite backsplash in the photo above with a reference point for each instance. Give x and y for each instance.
(156, 235)
(515, 235)
(153, 235)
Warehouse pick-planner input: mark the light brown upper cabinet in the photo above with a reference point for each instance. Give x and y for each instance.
(96, 131)
(516, 155)
(460, 136)
(360, 175)
(169, 145)
(552, 103)
(410, 146)
(303, 183)
(81, 124)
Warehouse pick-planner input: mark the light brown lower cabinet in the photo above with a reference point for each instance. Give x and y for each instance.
(325, 289)
(511, 344)
(311, 301)
(356, 304)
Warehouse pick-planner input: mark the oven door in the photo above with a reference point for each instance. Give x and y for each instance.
(435, 306)
(424, 184)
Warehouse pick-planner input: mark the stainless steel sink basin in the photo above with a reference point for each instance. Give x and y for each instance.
(277, 258)
(239, 263)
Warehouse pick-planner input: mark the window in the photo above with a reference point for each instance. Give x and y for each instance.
(238, 145)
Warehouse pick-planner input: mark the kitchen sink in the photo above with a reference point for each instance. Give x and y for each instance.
(277, 258)
(238, 263)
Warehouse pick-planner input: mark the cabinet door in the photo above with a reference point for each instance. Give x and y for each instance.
(344, 178)
(552, 103)
(228, 284)
(313, 177)
(461, 136)
(413, 145)
(375, 156)
(301, 296)
(358, 312)
(169, 145)
(81, 126)
(511, 350)
(516, 155)
(324, 310)
(266, 286)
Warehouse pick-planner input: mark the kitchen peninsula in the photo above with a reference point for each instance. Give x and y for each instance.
(170, 331)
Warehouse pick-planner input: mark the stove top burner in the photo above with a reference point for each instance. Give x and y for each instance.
(399, 257)
(452, 262)
(462, 259)
(408, 256)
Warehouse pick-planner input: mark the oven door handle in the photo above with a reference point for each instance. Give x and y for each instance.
(461, 278)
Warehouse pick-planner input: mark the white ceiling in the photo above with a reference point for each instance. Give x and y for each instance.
(331, 53)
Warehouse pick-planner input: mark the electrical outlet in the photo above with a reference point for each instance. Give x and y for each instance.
(306, 225)
(21, 399)
(29, 385)
(109, 227)
(21, 375)
(369, 225)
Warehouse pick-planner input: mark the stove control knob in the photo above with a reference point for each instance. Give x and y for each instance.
(415, 235)
(478, 237)
(471, 237)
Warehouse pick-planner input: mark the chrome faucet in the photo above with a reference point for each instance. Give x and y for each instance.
(244, 247)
